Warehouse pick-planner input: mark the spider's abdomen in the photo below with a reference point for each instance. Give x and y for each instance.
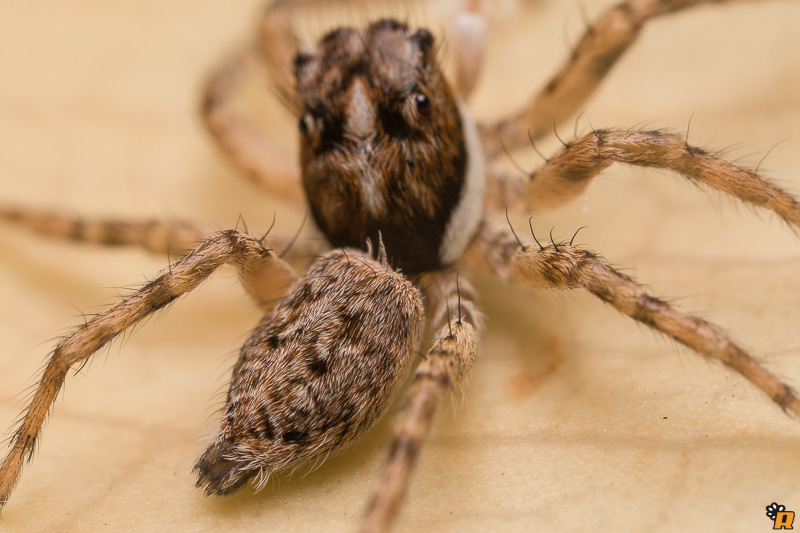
(387, 151)
(317, 372)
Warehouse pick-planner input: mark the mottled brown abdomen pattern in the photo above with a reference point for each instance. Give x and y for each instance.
(317, 372)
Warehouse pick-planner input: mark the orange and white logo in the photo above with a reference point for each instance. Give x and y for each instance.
(781, 518)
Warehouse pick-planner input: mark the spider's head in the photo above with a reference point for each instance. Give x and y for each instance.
(386, 147)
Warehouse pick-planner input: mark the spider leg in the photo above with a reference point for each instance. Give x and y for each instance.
(278, 46)
(567, 174)
(446, 364)
(246, 144)
(246, 253)
(162, 237)
(564, 266)
(155, 236)
(469, 38)
(601, 46)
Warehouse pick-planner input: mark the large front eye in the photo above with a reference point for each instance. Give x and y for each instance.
(423, 104)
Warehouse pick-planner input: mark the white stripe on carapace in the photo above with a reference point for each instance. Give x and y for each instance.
(360, 123)
(360, 112)
(469, 210)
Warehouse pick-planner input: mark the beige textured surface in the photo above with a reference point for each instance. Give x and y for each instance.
(576, 419)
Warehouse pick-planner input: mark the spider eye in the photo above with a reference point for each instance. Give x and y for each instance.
(423, 104)
(424, 39)
(304, 124)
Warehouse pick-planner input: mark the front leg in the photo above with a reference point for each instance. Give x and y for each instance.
(243, 141)
(605, 41)
(75, 350)
(564, 266)
(446, 365)
(566, 175)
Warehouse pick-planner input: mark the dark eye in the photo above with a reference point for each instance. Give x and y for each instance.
(319, 129)
(301, 60)
(423, 104)
(304, 124)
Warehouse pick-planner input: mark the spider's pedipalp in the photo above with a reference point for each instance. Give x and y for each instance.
(185, 275)
(570, 267)
(316, 373)
(446, 365)
(567, 174)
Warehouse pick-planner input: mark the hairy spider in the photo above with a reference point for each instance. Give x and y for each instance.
(546, 459)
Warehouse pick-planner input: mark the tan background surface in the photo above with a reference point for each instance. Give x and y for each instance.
(576, 419)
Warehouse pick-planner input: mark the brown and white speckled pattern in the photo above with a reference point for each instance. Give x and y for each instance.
(404, 179)
(316, 373)
(560, 423)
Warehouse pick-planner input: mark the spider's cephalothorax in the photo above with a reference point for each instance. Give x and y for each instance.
(386, 148)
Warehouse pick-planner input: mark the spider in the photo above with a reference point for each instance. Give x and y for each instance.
(531, 430)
